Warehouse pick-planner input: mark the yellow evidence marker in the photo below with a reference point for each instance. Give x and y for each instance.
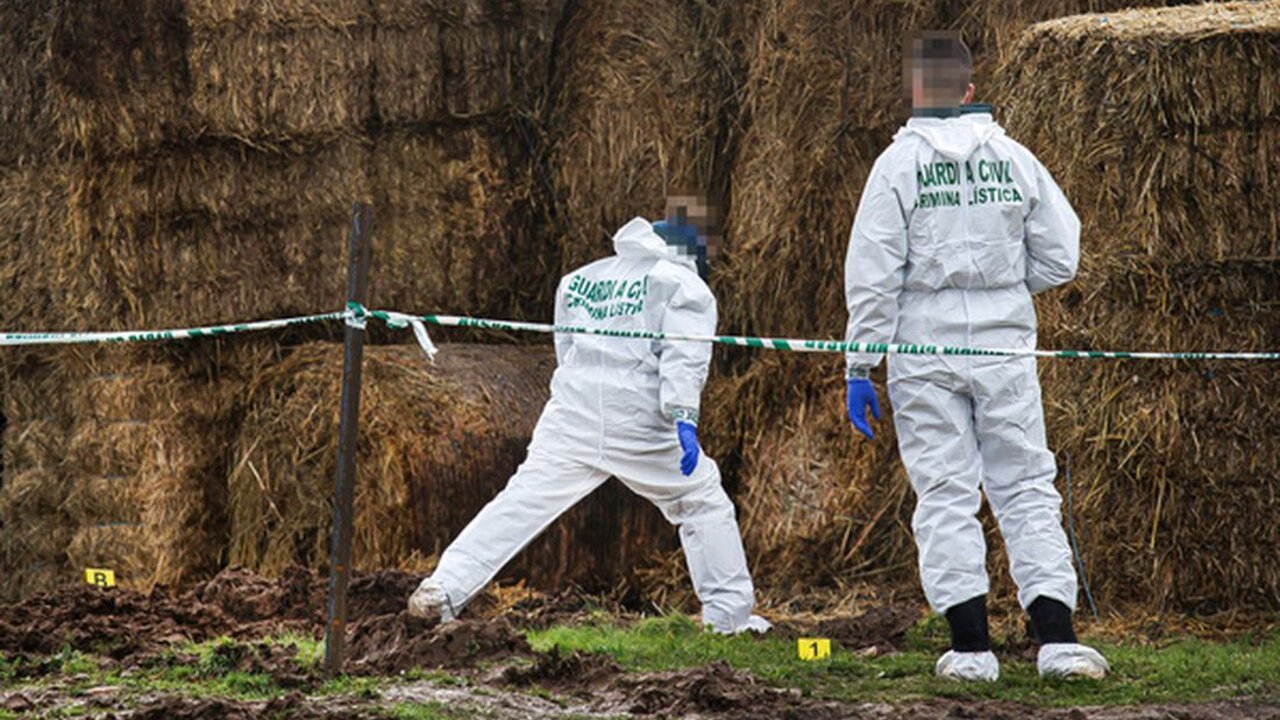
(100, 577)
(813, 648)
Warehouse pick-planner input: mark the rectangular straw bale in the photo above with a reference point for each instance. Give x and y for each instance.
(217, 232)
(206, 273)
(146, 463)
(281, 83)
(461, 59)
(273, 14)
(634, 115)
(24, 74)
(448, 224)
(438, 441)
(1172, 469)
(118, 74)
(1161, 125)
(229, 180)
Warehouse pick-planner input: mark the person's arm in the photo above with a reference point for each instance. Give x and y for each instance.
(563, 341)
(690, 309)
(1052, 235)
(874, 269)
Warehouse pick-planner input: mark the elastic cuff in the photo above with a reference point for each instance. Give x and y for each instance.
(684, 415)
(857, 373)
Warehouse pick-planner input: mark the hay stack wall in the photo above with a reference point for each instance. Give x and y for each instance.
(1166, 138)
(437, 442)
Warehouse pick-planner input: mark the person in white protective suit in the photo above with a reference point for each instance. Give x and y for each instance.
(957, 228)
(626, 408)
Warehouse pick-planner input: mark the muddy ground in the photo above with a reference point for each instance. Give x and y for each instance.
(495, 672)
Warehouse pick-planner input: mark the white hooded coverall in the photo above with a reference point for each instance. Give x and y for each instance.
(957, 228)
(613, 407)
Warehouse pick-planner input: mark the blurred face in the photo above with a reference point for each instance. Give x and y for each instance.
(932, 81)
(697, 212)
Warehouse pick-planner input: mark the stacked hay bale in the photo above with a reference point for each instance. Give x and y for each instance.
(636, 113)
(437, 442)
(111, 460)
(1164, 130)
(174, 162)
(34, 527)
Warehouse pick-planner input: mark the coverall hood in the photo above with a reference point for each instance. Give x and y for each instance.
(637, 239)
(956, 138)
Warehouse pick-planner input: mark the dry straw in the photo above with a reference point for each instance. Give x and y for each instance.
(1164, 126)
(634, 115)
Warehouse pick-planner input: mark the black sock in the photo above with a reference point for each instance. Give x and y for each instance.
(968, 622)
(1051, 621)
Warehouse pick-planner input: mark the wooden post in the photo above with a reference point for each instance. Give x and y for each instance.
(348, 425)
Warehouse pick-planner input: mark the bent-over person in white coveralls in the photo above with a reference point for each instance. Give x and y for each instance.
(626, 408)
(957, 228)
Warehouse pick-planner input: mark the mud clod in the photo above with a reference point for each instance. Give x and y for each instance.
(390, 644)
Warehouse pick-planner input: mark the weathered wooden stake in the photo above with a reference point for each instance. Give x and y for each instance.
(348, 426)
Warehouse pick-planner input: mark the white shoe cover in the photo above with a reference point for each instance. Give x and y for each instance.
(968, 666)
(1070, 661)
(431, 602)
(755, 624)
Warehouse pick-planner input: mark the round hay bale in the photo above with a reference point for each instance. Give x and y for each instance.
(436, 443)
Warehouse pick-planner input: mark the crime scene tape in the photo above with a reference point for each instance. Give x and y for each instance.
(357, 316)
(395, 319)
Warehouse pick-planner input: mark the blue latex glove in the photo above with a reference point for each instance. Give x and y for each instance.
(862, 394)
(688, 434)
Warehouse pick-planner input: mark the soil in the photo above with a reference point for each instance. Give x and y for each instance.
(880, 628)
(391, 644)
(138, 630)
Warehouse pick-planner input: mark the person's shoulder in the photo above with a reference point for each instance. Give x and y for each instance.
(668, 271)
(591, 268)
(1005, 142)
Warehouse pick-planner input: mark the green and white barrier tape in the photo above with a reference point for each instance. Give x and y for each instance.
(395, 319)
(356, 316)
(135, 336)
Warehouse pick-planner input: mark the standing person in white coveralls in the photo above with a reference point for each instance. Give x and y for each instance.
(957, 228)
(623, 408)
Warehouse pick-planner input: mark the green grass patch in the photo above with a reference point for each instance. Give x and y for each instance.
(425, 711)
(1185, 670)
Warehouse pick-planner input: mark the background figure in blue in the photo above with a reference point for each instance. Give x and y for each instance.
(957, 228)
(619, 407)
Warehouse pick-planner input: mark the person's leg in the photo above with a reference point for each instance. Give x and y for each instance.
(1018, 475)
(939, 449)
(543, 488)
(936, 439)
(1019, 471)
(699, 507)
